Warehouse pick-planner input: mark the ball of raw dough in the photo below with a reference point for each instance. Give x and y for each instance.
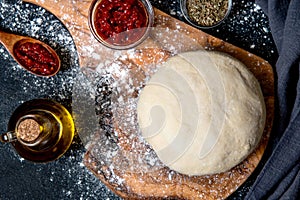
(202, 112)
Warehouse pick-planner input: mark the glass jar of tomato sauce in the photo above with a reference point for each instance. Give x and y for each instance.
(120, 24)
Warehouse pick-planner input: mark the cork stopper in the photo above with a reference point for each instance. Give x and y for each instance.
(29, 130)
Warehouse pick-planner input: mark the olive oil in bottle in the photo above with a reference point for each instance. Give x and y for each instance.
(40, 130)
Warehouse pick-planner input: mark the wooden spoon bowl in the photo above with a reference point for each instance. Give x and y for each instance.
(33, 55)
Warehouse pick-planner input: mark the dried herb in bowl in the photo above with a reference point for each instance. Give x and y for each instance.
(206, 13)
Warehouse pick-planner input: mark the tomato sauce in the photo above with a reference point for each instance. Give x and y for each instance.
(36, 58)
(120, 22)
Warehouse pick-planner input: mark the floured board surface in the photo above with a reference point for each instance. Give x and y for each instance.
(168, 37)
(126, 163)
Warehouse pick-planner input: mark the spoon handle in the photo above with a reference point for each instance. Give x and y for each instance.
(9, 40)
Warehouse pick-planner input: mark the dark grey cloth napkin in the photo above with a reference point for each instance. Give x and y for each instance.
(280, 176)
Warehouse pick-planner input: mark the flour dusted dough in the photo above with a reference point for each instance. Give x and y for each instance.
(202, 112)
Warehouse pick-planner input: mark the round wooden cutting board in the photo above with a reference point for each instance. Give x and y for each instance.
(74, 14)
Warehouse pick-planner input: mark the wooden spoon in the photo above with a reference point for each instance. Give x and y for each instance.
(33, 55)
